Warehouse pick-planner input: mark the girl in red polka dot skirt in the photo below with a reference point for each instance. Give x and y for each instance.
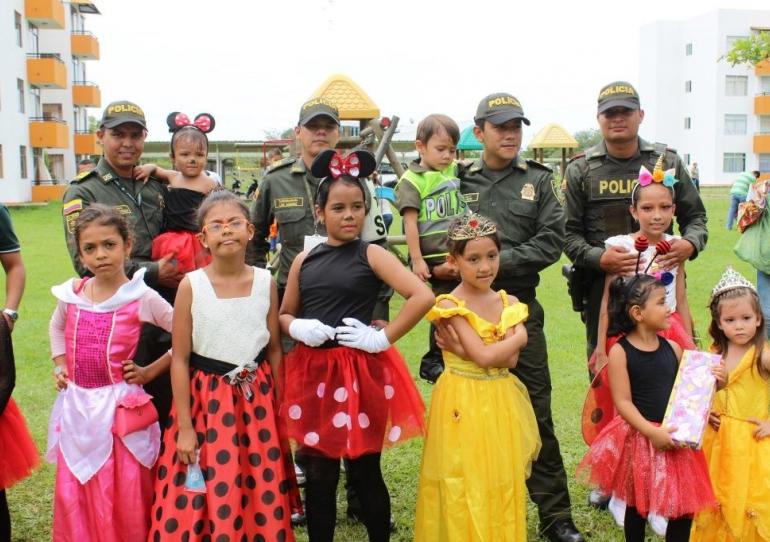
(223, 473)
(348, 392)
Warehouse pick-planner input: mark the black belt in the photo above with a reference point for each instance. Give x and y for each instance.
(215, 366)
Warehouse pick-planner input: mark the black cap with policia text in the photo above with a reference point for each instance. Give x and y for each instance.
(317, 107)
(618, 94)
(499, 108)
(122, 112)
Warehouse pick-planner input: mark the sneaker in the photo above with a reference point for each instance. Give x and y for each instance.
(597, 499)
(298, 519)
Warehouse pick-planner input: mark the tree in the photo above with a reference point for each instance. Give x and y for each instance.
(587, 138)
(288, 133)
(750, 51)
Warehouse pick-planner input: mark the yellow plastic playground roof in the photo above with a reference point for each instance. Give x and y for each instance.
(553, 136)
(352, 102)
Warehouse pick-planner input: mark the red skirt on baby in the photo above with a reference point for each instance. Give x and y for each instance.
(345, 402)
(18, 453)
(623, 463)
(187, 249)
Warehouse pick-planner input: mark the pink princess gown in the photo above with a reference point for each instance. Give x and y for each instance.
(103, 482)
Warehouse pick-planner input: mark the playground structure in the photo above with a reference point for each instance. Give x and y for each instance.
(553, 136)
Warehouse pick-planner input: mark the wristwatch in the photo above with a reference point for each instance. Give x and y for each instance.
(12, 314)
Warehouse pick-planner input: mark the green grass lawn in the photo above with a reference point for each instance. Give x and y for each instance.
(47, 262)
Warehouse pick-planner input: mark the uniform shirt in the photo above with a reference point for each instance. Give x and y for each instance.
(141, 203)
(8, 240)
(585, 233)
(286, 194)
(521, 200)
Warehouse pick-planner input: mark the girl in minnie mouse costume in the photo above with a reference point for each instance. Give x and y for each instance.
(188, 185)
(347, 391)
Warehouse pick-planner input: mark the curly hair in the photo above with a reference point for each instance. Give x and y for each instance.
(625, 292)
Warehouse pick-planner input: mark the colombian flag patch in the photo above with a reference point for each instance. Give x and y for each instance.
(72, 206)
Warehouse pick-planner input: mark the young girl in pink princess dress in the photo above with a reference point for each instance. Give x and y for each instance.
(103, 480)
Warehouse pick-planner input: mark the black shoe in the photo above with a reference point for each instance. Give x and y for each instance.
(562, 530)
(599, 500)
(354, 516)
(431, 369)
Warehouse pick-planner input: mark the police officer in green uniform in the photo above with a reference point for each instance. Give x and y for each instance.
(598, 187)
(122, 132)
(519, 196)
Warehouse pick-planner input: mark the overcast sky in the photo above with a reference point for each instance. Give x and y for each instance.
(252, 64)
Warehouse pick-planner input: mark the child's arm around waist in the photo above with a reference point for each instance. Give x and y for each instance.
(504, 353)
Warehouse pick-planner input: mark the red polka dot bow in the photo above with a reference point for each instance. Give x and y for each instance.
(349, 165)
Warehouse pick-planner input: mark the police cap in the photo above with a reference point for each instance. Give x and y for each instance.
(317, 107)
(618, 94)
(122, 112)
(499, 108)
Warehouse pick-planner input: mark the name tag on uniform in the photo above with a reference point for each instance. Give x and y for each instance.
(612, 188)
(283, 203)
(312, 241)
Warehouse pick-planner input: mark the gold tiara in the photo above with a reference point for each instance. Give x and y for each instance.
(471, 226)
(730, 280)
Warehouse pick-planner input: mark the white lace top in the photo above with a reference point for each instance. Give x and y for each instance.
(231, 330)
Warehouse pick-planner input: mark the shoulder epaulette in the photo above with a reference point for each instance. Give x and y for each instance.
(83, 175)
(576, 157)
(283, 163)
(538, 165)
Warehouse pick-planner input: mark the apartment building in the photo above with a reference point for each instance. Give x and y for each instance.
(44, 95)
(712, 113)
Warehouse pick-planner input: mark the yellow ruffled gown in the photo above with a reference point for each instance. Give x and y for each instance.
(481, 441)
(739, 464)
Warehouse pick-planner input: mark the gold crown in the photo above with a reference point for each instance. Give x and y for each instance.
(471, 226)
(730, 280)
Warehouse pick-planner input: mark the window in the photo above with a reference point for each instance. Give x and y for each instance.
(686, 158)
(687, 123)
(1, 161)
(688, 86)
(736, 85)
(764, 124)
(731, 41)
(23, 158)
(20, 87)
(17, 28)
(764, 162)
(735, 124)
(688, 49)
(764, 85)
(734, 162)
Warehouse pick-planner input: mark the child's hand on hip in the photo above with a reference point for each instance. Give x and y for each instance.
(133, 373)
(61, 376)
(661, 438)
(763, 428)
(186, 442)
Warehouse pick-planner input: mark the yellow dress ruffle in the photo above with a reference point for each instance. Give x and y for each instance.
(739, 465)
(482, 439)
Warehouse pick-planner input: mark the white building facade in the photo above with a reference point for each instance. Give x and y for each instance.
(712, 113)
(44, 96)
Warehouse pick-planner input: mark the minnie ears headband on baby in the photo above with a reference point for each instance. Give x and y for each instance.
(203, 122)
(330, 163)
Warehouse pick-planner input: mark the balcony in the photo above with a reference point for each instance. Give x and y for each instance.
(85, 94)
(45, 13)
(762, 69)
(86, 143)
(762, 103)
(762, 142)
(48, 133)
(46, 71)
(85, 46)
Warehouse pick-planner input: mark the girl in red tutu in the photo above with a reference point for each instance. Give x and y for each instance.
(18, 454)
(188, 185)
(634, 458)
(223, 472)
(348, 392)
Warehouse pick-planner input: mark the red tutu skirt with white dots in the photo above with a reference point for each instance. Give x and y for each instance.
(623, 463)
(18, 453)
(345, 402)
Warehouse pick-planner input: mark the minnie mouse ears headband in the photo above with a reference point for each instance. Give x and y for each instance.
(203, 122)
(330, 163)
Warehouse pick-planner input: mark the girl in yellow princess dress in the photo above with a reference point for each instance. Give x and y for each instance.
(736, 444)
(482, 433)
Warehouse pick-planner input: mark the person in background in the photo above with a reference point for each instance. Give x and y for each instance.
(738, 192)
(695, 175)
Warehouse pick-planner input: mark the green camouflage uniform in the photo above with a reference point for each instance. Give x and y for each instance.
(598, 195)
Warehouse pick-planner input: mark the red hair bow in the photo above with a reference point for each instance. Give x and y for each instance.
(203, 122)
(349, 165)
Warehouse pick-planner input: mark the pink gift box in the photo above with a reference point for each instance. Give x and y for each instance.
(690, 401)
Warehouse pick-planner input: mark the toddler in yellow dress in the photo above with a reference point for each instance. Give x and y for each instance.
(736, 444)
(482, 433)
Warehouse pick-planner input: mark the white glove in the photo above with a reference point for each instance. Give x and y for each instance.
(358, 335)
(311, 332)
